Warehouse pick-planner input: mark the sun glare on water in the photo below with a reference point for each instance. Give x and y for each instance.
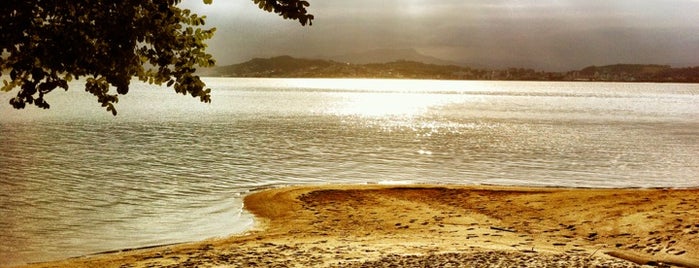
(384, 104)
(380, 97)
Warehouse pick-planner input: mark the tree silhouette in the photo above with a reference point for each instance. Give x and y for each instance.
(44, 44)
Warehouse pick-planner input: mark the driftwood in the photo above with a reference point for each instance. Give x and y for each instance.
(503, 229)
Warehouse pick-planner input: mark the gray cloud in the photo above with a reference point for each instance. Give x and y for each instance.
(551, 35)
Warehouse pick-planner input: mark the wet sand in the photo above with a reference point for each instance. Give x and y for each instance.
(443, 226)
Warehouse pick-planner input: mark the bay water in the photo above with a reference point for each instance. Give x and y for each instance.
(76, 180)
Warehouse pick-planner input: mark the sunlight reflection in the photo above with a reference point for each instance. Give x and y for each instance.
(380, 85)
(381, 97)
(384, 104)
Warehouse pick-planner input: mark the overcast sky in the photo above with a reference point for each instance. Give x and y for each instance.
(542, 34)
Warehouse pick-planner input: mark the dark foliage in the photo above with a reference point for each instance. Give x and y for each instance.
(47, 43)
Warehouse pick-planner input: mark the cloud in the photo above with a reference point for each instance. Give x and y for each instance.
(540, 34)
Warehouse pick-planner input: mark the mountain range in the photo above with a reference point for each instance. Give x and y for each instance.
(387, 55)
(408, 63)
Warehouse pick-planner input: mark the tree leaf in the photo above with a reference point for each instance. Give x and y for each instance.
(110, 42)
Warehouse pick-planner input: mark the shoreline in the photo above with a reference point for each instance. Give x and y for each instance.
(375, 225)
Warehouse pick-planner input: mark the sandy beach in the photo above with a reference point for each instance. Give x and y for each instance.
(443, 226)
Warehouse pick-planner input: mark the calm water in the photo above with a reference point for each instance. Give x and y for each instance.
(75, 180)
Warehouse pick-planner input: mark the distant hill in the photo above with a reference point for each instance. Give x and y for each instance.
(287, 66)
(626, 68)
(388, 55)
(638, 72)
(281, 66)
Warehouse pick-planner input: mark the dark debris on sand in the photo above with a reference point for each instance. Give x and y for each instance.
(493, 259)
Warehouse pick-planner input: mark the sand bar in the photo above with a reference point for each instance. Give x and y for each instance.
(443, 226)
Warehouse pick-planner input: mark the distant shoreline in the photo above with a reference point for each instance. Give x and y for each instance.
(289, 67)
(355, 225)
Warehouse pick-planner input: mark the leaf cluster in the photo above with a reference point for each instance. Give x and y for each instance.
(288, 9)
(44, 44)
(47, 43)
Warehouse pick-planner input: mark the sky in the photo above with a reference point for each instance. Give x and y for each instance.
(552, 35)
